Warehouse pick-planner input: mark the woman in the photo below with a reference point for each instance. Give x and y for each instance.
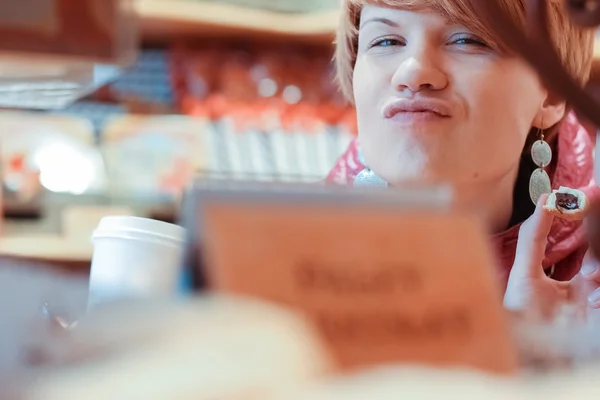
(439, 100)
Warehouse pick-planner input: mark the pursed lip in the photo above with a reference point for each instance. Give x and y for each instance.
(398, 106)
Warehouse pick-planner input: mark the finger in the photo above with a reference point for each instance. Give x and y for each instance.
(594, 299)
(587, 282)
(589, 268)
(580, 289)
(531, 245)
(590, 281)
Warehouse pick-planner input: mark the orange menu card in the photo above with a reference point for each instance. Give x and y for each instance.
(382, 284)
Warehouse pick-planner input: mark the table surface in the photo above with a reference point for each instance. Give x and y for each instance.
(63, 232)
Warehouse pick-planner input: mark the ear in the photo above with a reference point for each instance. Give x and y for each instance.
(550, 113)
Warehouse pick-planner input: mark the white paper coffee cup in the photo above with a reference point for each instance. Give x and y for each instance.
(135, 257)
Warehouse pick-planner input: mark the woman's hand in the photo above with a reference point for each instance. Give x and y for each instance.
(588, 284)
(529, 289)
(590, 280)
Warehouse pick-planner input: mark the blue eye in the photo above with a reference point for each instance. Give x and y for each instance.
(386, 43)
(469, 41)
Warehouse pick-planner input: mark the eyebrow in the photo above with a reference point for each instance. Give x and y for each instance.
(384, 21)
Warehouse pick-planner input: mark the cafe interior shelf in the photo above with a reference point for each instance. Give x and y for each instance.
(165, 20)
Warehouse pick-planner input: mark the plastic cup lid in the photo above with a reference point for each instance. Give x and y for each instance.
(139, 228)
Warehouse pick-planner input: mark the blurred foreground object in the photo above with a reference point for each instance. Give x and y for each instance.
(206, 348)
(394, 382)
(26, 292)
(53, 52)
(211, 348)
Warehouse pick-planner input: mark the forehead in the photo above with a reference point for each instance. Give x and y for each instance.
(392, 15)
(454, 12)
(451, 10)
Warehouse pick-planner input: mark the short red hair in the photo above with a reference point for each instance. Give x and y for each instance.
(573, 43)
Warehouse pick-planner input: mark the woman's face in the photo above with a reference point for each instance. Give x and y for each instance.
(437, 104)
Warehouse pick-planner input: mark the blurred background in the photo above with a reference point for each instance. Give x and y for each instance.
(239, 89)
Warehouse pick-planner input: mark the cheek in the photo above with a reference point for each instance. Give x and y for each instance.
(360, 83)
(502, 101)
(368, 85)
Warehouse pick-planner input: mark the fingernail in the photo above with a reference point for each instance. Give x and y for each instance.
(588, 269)
(595, 296)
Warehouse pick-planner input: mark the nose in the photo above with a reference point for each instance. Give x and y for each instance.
(420, 71)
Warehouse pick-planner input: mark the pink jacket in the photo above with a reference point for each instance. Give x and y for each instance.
(573, 167)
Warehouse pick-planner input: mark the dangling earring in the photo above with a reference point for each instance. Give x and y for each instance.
(366, 177)
(539, 183)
